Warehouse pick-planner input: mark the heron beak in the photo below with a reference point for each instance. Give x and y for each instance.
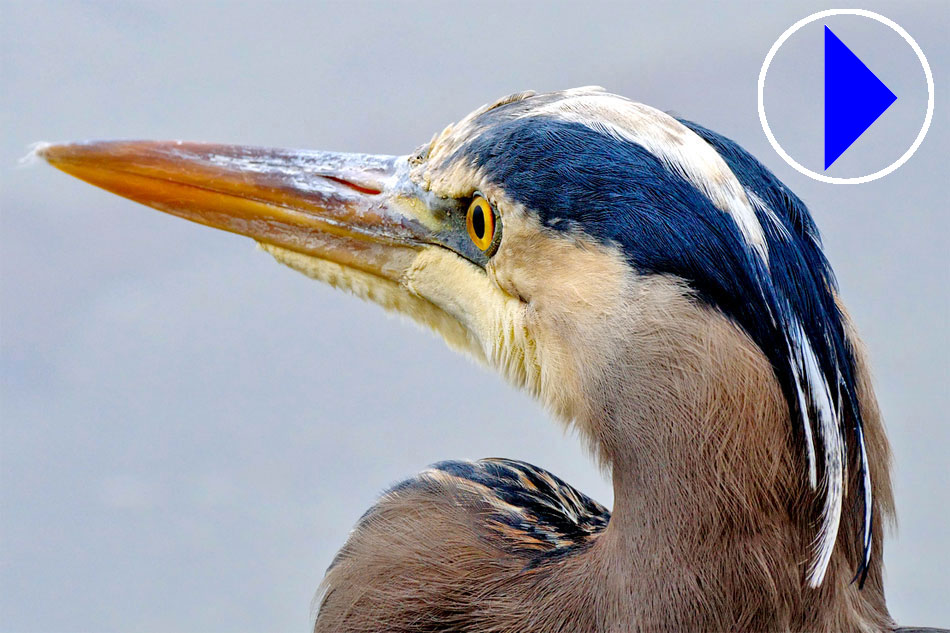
(355, 221)
(357, 210)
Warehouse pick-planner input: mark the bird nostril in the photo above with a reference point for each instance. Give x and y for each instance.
(352, 185)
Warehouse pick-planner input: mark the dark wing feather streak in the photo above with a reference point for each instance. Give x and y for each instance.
(530, 509)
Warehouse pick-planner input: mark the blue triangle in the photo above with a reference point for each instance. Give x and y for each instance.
(854, 97)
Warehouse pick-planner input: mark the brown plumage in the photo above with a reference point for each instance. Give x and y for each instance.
(711, 527)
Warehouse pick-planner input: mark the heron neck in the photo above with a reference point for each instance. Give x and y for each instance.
(701, 471)
(712, 521)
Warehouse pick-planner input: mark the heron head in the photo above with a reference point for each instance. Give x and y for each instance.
(580, 243)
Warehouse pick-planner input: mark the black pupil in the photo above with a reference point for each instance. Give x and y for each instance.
(478, 222)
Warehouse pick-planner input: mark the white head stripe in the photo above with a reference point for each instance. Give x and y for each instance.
(679, 148)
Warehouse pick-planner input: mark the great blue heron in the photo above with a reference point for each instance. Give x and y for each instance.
(648, 281)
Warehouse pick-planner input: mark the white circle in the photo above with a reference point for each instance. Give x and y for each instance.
(858, 179)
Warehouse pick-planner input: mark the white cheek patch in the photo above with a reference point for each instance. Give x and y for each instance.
(392, 296)
(679, 148)
(494, 321)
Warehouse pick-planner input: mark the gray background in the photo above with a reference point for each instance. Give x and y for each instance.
(189, 430)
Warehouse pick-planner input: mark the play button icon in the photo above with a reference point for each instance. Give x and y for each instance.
(854, 97)
(850, 96)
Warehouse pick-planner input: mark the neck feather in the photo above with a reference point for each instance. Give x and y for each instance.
(714, 520)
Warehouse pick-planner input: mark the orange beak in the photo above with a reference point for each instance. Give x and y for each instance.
(358, 210)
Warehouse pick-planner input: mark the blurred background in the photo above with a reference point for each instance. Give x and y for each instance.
(189, 430)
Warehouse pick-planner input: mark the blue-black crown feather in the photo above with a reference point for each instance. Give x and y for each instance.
(580, 176)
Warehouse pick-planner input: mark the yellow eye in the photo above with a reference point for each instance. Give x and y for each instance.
(480, 221)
